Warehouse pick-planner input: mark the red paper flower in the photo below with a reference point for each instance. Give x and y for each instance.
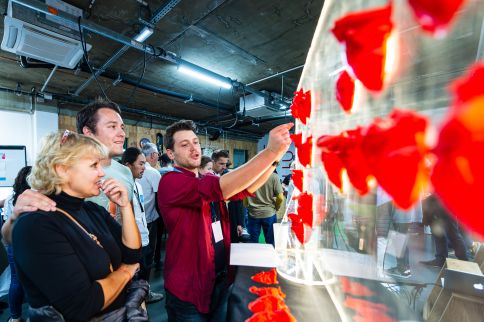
(365, 34)
(302, 231)
(345, 91)
(269, 277)
(435, 17)
(394, 150)
(343, 152)
(297, 179)
(305, 208)
(458, 175)
(261, 291)
(277, 316)
(469, 86)
(267, 303)
(304, 150)
(301, 106)
(354, 288)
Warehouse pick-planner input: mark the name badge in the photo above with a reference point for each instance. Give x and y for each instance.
(217, 231)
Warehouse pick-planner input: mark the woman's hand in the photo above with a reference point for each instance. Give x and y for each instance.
(116, 192)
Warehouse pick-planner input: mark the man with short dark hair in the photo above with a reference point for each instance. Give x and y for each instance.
(220, 160)
(102, 120)
(198, 246)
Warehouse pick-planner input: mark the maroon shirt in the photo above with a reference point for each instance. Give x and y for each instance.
(189, 267)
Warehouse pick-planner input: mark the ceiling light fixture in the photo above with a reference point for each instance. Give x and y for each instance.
(144, 34)
(205, 75)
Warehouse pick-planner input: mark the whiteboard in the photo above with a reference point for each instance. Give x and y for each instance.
(12, 159)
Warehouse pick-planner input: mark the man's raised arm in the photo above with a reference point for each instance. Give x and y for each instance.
(254, 173)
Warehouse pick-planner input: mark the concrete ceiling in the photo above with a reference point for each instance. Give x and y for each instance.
(246, 40)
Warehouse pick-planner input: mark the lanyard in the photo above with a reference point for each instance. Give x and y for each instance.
(137, 197)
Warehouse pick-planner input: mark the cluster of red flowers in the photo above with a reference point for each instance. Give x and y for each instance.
(391, 150)
(365, 35)
(270, 305)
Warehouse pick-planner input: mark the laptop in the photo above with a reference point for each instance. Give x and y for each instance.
(463, 282)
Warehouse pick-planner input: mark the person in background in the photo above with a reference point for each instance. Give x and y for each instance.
(83, 257)
(206, 166)
(166, 164)
(399, 221)
(263, 207)
(220, 160)
(288, 184)
(444, 229)
(136, 161)
(15, 292)
(198, 246)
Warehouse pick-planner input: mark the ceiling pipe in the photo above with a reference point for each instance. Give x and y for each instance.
(275, 75)
(155, 89)
(159, 14)
(157, 52)
(259, 120)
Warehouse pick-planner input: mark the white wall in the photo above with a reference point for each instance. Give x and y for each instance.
(283, 168)
(18, 128)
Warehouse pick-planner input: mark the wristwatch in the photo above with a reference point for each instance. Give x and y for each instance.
(275, 163)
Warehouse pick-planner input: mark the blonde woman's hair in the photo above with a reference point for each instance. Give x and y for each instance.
(61, 148)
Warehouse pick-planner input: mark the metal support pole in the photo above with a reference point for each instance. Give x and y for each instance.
(48, 78)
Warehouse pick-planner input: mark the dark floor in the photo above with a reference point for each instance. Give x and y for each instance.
(421, 248)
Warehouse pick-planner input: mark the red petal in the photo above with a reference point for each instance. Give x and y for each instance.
(301, 105)
(269, 277)
(304, 150)
(302, 231)
(305, 208)
(297, 227)
(277, 316)
(394, 149)
(261, 291)
(435, 17)
(297, 179)
(469, 86)
(345, 91)
(458, 175)
(365, 33)
(354, 288)
(344, 152)
(334, 168)
(267, 303)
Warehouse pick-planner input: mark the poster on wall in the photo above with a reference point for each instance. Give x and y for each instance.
(12, 159)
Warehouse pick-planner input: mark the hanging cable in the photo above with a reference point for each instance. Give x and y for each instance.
(140, 78)
(86, 58)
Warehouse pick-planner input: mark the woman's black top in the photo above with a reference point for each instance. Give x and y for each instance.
(58, 264)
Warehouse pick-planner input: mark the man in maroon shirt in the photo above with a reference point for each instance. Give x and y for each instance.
(198, 247)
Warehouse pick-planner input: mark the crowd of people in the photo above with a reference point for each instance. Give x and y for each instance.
(93, 225)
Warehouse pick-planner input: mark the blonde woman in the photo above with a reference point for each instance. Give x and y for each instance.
(77, 259)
